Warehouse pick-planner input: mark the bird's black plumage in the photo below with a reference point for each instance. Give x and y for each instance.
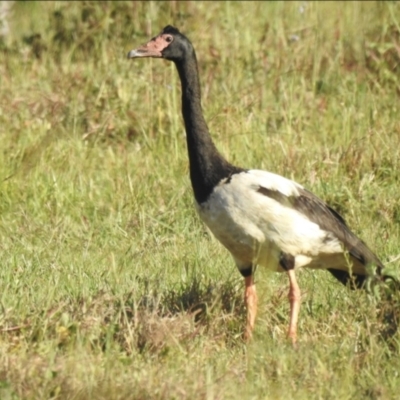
(207, 166)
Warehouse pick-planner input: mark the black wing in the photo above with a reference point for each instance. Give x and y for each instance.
(330, 221)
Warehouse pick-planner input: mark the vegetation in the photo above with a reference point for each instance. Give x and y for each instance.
(111, 288)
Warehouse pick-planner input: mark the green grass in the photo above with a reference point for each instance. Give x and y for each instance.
(111, 288)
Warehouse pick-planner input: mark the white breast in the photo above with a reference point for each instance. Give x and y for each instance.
(256, 228)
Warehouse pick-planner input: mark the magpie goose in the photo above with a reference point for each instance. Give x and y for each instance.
(260, 217)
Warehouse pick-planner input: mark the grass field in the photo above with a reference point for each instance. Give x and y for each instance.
(111, 287)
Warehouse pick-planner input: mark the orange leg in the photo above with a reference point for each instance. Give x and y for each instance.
(294, 298)
(250, 299)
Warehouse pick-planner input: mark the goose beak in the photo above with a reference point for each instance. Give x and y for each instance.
(134, 53)
(149, 49)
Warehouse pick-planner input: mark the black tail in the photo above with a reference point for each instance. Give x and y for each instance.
(353, 281)
(357, 281)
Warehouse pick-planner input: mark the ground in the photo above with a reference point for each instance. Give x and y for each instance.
(111, 288)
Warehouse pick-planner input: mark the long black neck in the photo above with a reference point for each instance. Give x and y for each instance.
(207, 166)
